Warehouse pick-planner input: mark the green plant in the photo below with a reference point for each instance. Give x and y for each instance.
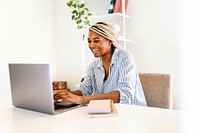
(80, 13)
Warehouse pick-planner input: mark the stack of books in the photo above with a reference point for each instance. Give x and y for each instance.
(116, 6)
(101, 108)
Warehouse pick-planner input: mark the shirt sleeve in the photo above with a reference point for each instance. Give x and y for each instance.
(86, 84)
(127, 80)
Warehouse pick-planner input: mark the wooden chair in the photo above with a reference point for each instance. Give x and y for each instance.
(156, 88)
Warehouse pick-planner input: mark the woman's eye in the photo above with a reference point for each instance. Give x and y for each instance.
(96, 41)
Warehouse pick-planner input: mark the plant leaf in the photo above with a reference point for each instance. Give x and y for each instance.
(79, 21)
(73, 16)
(82, 13)
(69, 3)
(82, 5)
(74, 11)
(77, 18)
(86, 9)
(74, 5)
(79, 27)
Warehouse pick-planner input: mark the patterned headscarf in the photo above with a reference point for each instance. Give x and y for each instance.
(107, 31)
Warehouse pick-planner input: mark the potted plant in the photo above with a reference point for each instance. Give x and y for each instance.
(80, 13)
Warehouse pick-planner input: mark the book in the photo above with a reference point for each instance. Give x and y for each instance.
(100, 106)
(126, 4)
(113, 113)
(118, 6)
(111, 7)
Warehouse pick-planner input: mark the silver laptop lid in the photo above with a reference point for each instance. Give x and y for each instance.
(31, 87)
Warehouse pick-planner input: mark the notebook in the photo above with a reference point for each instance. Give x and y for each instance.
(31, 88)
(99, 106)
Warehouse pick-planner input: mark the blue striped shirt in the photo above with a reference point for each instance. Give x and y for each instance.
(123, 76)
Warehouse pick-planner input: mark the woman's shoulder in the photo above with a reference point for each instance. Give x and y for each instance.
(123, 54)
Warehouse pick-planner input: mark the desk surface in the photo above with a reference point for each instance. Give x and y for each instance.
(133, 119)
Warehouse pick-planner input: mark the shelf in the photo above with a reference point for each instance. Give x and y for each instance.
(108, 17)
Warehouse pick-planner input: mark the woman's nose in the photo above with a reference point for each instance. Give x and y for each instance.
(92, 44)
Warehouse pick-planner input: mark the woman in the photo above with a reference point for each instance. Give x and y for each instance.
(112, 75)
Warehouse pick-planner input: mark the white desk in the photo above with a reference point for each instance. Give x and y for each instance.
(131, 119)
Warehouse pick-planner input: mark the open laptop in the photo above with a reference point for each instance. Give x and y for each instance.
(31, 88)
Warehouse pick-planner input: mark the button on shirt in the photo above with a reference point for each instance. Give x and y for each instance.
(123, 76)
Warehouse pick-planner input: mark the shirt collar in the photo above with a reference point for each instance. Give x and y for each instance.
(114, 57)
(100, 64)
(113, 60)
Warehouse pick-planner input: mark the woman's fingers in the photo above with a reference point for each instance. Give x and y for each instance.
(74, 98)
(66, 96)
(60, 96)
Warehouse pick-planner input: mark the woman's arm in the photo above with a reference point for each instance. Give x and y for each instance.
(74, 97)
(77, 92)
(115, 96)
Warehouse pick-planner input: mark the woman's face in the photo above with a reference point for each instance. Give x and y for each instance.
(99, 45)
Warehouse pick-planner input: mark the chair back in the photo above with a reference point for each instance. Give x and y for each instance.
(156, 87)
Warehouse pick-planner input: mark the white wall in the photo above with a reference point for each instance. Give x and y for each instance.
(27, 35)
(158, 36)
(192, 64)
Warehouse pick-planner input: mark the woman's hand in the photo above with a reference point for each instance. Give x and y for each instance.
(66, 96)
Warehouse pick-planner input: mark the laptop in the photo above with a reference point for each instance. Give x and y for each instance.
(31, 88)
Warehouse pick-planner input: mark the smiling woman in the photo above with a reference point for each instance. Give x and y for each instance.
(112, 75)
(99, 45)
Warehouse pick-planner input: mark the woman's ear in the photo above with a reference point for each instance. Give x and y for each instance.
(110, 42)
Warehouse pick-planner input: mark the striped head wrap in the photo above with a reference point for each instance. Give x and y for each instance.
(107, 31)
